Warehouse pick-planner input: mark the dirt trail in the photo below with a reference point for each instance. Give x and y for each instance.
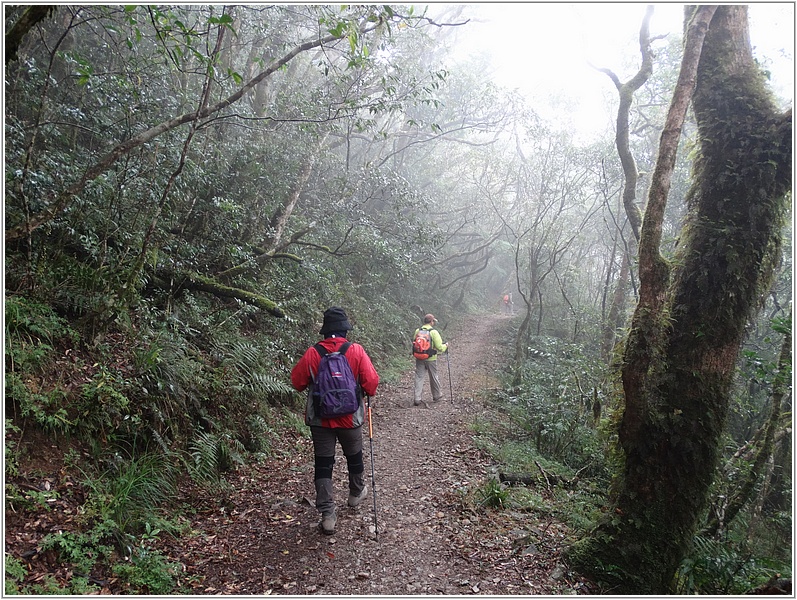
(263, 540)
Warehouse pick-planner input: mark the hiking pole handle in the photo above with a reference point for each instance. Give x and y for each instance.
(370, 421)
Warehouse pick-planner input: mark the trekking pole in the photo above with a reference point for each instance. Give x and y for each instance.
(373, 479)
(450, 386)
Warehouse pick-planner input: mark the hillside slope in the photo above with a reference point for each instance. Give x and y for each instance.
(429, 541)
(261, 536)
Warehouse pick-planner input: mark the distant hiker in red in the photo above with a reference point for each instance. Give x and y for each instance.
(426, 345)
(509, 306)
(334, 411)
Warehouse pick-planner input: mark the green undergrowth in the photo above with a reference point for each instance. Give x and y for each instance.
(553, 441)
(546, 440)
(165, 398)
(729, 566)
(128, 424)
(546, 487)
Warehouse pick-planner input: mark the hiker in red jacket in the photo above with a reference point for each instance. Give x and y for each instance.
(346, 429)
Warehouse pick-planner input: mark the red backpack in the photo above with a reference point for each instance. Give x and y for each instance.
(422, 345)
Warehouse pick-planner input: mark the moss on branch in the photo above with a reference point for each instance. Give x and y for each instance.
(194, 281)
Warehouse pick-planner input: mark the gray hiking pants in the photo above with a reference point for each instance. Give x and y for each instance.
(422, 367)
(325, 440)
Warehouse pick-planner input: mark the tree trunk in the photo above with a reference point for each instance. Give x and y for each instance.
(174, 280)
(766, 448)
(626, 91)
(29, 19)
(279, 220)
(686, 331)
(616, 317)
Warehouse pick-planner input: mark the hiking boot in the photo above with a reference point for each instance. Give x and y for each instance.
(354, 500)
(436, 400)
(327, 524)
(357, 489)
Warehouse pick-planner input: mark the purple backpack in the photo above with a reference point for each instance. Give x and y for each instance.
(335, 390)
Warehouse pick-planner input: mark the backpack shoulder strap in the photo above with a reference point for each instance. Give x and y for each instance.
(342, 351)
(323, 351)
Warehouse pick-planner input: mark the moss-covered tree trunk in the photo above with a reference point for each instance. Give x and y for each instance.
(764, 453)
(687, 329)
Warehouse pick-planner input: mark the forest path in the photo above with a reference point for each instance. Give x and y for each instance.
(263, 539)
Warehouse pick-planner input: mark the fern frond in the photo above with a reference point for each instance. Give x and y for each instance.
(267, 385)
(204, 458)
(241, 354)
(212, 455)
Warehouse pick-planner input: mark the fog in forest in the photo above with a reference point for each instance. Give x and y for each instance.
(189, 187)
(549, 51)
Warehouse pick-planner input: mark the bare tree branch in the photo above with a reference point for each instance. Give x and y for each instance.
(627, 91)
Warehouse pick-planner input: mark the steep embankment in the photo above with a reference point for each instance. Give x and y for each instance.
(263, 538)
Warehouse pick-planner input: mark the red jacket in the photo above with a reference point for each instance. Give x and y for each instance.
(362, 367)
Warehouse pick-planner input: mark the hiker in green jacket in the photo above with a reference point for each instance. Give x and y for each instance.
(427, 344)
